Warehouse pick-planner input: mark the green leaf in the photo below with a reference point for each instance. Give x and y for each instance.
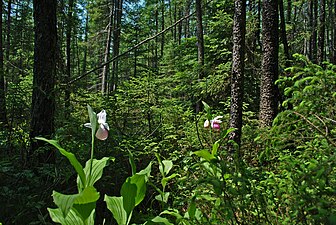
(64, 202)
(206, 107)
(225, 133)
(71, 157)
(165, 180)
(163, 198)
(71, 219)
(215, 148)
(115, 205)
(93, 121)
(85, 202)
(168, 165)
(192, 207)
(162, 220)
(129, 192)
(205, 154)
(132, 162)
(96, 173)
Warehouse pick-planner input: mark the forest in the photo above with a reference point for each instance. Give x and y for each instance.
(167, 112)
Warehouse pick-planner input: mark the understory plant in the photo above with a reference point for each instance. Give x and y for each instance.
(79, 208)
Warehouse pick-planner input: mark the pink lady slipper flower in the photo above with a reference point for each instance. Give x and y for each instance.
(102, 132)
(215, 123)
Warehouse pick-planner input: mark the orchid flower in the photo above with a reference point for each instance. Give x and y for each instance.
(215, 123)
(102, 132)
(206, 124)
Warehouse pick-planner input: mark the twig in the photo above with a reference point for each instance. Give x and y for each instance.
(317, 128)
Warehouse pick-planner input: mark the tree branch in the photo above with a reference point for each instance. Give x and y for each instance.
(129, 50)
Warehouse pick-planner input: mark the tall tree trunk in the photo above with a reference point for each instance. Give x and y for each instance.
(162, 26)
(85, 41)
(9, 23)
(268, 90)
(334, 46)
(237, 77)
(106, 68)
(314, 30)
(321, 36)
(187, 21)
(284, 33)
(200, 45)
(116, 44)
(3, 112)
(43, 99)
(68, 53)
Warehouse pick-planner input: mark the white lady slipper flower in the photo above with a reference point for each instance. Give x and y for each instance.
(206, 124)
(102, 132)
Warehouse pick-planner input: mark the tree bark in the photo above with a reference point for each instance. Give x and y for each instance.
(106, 68)
(200, 45)
(321, 36)
(68, 53)
(268, 90)
(116, 44)
(284, 33)
(314, 30)
(43, 99)
(237, 77)
(9, 23)
(3, 112)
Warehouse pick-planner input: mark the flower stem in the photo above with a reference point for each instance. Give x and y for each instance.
(91, 159)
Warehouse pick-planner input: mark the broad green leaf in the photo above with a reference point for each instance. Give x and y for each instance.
(215, 148)
(64, 202)
(205, 154)
(85, 202)
(115, 205)
(129, 192)
(96, 173)
(140, 182)
(168, 164)
(71, 219)
(162, 220)
(71, 157)
(163, 198)
(192, 207)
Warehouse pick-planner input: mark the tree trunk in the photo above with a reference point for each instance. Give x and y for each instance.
(283, 33)
(68, 54)
(321, 36)
(200, 45)
(106, 68)
(43, 99)
(9, 22)
(116, 44)
(314, 30)
(237, 77)
(85, 41)
(334, 47)
(268, 90)
(3, 112)
(162, 26)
